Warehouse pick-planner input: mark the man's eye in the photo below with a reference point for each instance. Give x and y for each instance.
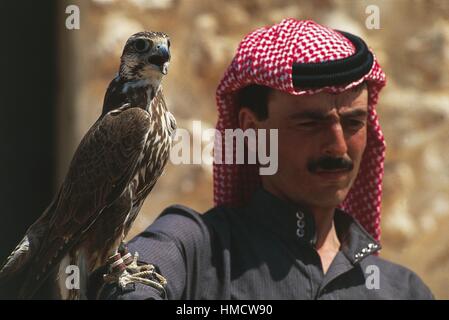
(308, 124)
(354, 123)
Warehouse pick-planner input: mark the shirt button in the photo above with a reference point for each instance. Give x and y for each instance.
(300, 223)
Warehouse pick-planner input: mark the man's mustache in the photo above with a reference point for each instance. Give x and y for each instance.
(330, 163)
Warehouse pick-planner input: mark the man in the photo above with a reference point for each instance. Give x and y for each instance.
(311, 230)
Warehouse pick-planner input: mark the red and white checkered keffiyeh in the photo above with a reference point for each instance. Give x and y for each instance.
(265, 57)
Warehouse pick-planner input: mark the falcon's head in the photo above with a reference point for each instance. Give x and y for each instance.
(146, 56)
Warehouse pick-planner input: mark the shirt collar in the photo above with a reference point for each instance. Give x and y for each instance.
(294, 224)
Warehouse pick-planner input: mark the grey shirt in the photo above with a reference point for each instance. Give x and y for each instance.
(264, 250)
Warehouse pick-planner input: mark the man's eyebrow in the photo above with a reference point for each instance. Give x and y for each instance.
(356, 113)
(317, 115)
(309, 114)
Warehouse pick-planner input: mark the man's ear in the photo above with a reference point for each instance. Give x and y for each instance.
(247, 119)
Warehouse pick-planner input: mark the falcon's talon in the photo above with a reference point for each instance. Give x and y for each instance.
(143, 274)
(135, 268)
(122, 279)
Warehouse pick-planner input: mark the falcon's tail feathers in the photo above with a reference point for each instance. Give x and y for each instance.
(13, 271)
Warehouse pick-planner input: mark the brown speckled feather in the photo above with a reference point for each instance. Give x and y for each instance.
(101, 169)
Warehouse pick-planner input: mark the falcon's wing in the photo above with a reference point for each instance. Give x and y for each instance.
(102, 166)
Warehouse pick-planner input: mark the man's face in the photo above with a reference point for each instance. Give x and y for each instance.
(322, 138)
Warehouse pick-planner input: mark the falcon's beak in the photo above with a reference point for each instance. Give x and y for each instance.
(161, 58)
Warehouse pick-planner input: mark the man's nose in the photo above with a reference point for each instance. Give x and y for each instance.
(335, 142)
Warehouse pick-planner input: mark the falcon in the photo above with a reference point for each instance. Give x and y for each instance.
(114, 168)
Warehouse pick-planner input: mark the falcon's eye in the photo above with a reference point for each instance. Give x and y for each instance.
(142, 45)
